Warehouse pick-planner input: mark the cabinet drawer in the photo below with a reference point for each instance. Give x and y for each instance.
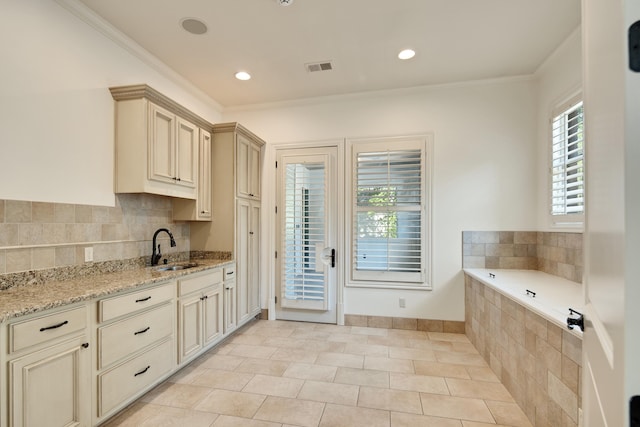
(124, 381)
(134, 333)
(45, 328)
(110, 308)
(229, 272)
(196, 283)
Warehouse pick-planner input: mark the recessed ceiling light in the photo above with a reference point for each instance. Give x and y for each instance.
(284, 2)
(407, 54)
(194, 26)
(243, 75)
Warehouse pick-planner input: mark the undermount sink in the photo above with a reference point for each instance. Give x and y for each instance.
(176, 267)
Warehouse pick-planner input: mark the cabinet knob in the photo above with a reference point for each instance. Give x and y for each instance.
(251, 232)
(85, 345)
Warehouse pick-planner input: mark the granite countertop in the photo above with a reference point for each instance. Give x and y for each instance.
(22, 300)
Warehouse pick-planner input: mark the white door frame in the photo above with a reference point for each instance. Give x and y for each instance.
(269, 217)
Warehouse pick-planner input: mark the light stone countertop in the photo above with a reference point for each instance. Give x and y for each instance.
(22, 300)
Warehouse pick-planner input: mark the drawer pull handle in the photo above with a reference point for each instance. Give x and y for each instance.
(142, 331)
(230, 273)
(143, 371)
(54, 326)
(143, 299)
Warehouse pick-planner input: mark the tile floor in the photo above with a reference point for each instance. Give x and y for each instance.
(282, 374)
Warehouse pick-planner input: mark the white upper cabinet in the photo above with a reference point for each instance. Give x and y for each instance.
(157, 144)
(248, 167)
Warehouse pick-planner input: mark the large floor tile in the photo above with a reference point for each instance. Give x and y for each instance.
(290, 411)
(342, 416)
(386, 364)
(412, 354)
(390, 400)
(362, 377)
(444, 336)
(478, 389)
(295, 355)
(508, 414)
(344, 394)
(363, 330)
(274, 386)
(482, 373)
(460, 358)
(222, 361)
(254, 351)
(400, 419)
(149, 415)
(440, 369)
(340, 359)
(233, 403)
(263, 366)
(455, 407)
(216, 378)
(367, 349)
(176, 395)
(421, 383)
(305, 371)
(229, 421)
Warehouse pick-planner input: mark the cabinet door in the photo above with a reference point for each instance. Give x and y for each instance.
(243, 169)
(230, 318)
(212, 320)
(51, 387)
(243, 270)
(162, 148)
(254, 171)
(253, 261)
(190, 321)
(204, 177)
(187, 153)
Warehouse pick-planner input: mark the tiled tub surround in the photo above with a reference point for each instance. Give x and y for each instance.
(536, 358)
(559, 254)
(39, 236)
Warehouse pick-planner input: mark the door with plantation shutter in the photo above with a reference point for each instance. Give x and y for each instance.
(306, 217)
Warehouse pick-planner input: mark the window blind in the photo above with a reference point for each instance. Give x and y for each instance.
(388, 215)
(567, 162)
(305, 231)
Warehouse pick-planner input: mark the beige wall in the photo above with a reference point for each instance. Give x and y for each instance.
(558, 79)
(56, 113)
(484, 176)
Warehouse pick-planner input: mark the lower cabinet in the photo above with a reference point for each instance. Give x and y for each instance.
(230, 299)
(48, 370)
(200, 316)
(81, 364)
(135, 345)
(51, 387)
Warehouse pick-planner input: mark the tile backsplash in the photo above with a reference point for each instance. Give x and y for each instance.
(559, 254)
(39, 235)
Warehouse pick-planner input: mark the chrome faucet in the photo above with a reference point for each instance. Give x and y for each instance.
(155, 256)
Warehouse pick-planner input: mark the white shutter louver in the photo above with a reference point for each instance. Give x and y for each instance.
(567, 162)
(388, 215)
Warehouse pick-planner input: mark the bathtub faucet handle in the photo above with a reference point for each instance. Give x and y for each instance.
(577, 321)
(493, 276)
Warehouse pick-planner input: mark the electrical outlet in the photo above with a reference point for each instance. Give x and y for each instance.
(403, 303)
(88, 254)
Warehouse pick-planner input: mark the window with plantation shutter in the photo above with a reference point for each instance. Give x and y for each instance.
(389, 221)
(567, 165)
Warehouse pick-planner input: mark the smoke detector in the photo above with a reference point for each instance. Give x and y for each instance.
(284, 2)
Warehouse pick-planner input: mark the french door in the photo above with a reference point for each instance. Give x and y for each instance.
(306, 217)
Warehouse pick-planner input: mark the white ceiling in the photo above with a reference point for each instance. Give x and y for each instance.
(455, 40)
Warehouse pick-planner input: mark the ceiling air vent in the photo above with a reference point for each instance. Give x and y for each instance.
(319, 66)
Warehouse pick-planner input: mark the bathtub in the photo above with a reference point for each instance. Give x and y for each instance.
(549, 296)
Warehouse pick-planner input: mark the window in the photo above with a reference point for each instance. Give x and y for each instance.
(567, 165)
(389, 218)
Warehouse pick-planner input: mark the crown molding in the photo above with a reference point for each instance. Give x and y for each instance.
(101, 25)
(237, 127)
(123, 93)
